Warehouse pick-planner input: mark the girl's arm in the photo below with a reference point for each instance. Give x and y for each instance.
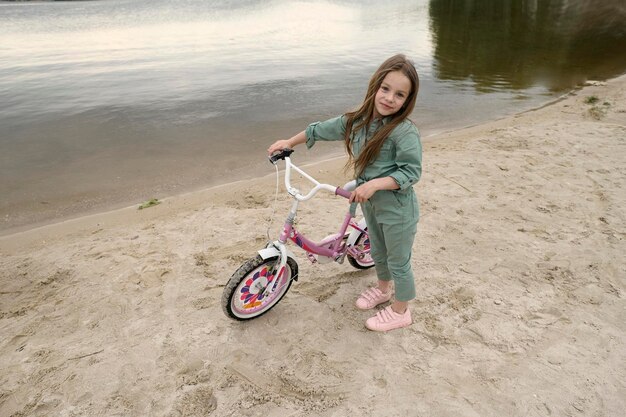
(287, 143)
(364, 191)
(408, 158)
(331, 129)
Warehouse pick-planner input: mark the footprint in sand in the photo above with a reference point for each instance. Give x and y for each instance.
(204, 302)
(197, 401)
(545, 317)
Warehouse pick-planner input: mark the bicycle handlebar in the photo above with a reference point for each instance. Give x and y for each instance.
(343, 193)
(284, 154)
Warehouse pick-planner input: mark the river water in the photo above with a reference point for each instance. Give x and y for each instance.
(109, 103)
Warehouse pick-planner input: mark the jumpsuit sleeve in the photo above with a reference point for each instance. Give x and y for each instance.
(408, 158)
(331, 129)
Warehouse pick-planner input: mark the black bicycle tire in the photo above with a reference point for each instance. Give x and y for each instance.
(241, 273)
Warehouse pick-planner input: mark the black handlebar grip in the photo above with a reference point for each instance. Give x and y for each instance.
(282, 154)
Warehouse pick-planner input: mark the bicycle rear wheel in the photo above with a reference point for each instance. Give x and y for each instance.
(244, 296)
(363, 259)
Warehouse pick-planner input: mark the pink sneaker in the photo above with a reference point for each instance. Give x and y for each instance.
(387, 319)
(371, 297)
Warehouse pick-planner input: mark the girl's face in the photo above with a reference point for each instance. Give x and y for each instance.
(391, 94)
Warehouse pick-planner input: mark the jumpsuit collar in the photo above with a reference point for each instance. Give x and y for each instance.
(384, 120)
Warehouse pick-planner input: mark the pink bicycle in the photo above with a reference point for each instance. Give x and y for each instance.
(261, 282)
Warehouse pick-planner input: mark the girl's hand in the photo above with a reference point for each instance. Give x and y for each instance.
(279, 145)
(290, 143)
(363, 192)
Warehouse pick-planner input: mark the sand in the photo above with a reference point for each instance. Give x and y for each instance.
(520, 309)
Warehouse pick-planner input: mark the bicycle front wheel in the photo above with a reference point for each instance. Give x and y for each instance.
(256, 287)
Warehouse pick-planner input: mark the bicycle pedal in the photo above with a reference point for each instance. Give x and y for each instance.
(312, 257)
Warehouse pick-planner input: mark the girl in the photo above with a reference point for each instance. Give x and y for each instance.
(385, 152)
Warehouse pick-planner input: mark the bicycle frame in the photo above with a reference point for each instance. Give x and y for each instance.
(330, 247)
(334, 247)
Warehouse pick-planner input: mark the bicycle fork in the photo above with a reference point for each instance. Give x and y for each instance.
(279, 248)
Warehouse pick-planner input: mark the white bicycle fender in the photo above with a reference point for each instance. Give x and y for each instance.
(273, 251)
(354, 234)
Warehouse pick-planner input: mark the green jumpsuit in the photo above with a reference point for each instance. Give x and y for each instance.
(391, 215)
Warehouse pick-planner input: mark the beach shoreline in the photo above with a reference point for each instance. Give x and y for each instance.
(110, 210)
(519, 273)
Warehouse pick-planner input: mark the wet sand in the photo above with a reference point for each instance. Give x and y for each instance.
(520, 308)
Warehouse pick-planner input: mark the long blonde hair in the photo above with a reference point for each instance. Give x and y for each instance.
(364, 115)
